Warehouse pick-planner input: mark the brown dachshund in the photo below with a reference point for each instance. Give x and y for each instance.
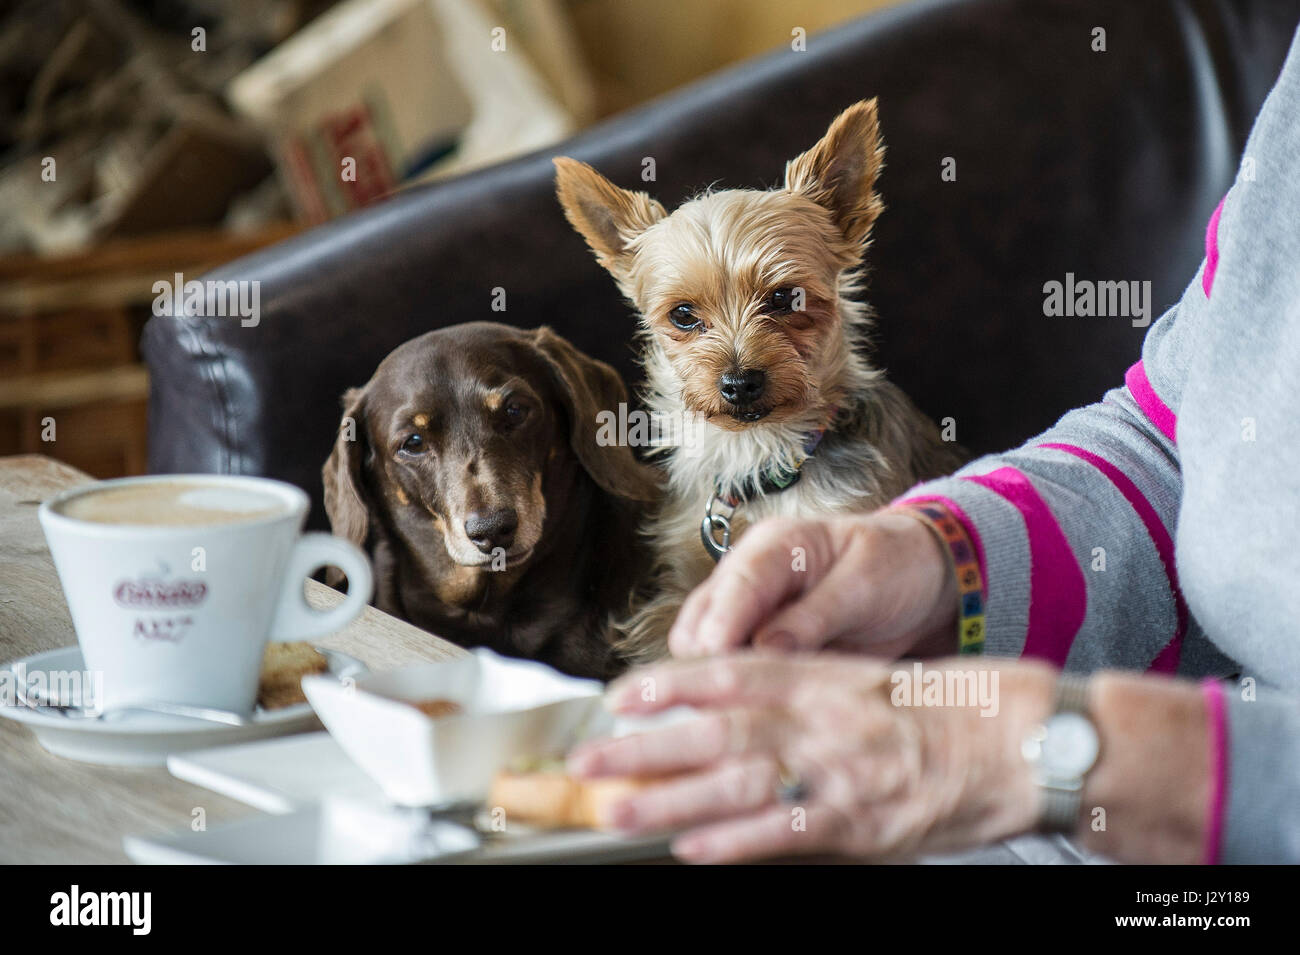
(469, 467)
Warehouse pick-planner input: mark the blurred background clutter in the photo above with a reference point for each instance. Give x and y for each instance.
(144, 138)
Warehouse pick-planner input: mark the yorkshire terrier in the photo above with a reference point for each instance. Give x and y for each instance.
(753, 336)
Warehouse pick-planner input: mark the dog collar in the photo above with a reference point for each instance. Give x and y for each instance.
(715, 529)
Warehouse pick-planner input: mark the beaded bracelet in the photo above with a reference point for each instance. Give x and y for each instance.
(965, 567)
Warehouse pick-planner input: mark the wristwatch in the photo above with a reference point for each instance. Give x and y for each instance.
(1061, 751)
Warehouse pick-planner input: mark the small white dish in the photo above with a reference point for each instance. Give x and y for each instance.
(510, 709)
(279, 775)
(342, 832)
(333, 832)
(350, 832)
(312, 789)
(288, 774)
(138, 738)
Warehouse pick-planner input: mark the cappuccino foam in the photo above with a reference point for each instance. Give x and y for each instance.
(173, 504)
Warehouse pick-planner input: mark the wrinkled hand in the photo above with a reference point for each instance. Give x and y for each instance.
(877, 583)
(878, 780)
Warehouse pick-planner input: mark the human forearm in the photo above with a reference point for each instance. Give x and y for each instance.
(1073, 541)
(1149, 797)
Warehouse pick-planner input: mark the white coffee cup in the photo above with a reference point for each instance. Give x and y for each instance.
(177, 582)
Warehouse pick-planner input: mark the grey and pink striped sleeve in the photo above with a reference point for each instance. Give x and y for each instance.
(1074, 535)
(1074, 531)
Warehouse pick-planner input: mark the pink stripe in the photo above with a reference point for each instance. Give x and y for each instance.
(966, 522)
(1211, 249)
(1147, 399)
(1216, 716)
(1057, 593)
(1167, 660)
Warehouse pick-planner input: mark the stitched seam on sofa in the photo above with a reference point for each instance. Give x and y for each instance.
(224, 420)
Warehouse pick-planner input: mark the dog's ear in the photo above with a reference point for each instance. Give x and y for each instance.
(839, 173)
(605, 215)
(589, 387)
(346, 501)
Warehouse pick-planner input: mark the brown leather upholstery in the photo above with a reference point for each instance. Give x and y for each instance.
(1106, 165)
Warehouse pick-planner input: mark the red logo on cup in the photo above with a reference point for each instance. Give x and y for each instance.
(169, 629)
(159, 594)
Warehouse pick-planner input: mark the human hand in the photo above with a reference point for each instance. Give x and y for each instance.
(880, 780)
(876, 583)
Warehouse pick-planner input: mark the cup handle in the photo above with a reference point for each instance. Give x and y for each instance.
(295, 619)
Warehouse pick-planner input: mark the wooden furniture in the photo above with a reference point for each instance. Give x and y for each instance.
(56, 810)
(72, 385)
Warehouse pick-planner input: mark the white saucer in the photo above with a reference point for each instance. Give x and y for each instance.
(137, 738)
(349, 832)
(323, 808)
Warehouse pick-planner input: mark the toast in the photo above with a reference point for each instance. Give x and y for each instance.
(554, 799)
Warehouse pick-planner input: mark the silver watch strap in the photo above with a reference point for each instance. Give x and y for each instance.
(1072, 694)
(1059, 807)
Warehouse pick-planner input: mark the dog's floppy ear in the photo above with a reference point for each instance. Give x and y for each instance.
(605, 215)
(589, 387)
(839, 173)
(346, 501)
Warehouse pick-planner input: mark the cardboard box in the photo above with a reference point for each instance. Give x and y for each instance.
(368, 86)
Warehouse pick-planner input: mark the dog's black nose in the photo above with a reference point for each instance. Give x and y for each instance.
(742, 388)
(488, 530)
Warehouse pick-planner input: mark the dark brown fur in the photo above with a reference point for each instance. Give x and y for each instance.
(575, 557)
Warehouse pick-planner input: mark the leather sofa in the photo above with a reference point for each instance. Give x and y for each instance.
(1104, 165)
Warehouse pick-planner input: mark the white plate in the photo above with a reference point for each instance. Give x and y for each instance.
(315, 792)
(285, 775)
(137, 738)
(278, 775)
(336, 832)
(353, 833)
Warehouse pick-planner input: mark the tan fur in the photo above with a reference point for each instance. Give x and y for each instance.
(462, 587)
(724, 253)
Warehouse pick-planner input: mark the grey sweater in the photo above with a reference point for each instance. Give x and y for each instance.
(1160, 528)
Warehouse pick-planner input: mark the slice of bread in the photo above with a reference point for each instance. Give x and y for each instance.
(283, 667)
(553, 798)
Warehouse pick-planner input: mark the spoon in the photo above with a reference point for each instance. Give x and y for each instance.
(75, 712)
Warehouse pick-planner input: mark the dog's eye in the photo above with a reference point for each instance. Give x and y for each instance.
(780, 302)
(414, 444)
(683, 316)
(516, 412)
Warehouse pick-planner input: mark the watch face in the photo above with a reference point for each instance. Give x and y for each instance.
(1070, 748)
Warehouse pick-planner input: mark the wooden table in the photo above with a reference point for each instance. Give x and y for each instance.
(57, 810)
